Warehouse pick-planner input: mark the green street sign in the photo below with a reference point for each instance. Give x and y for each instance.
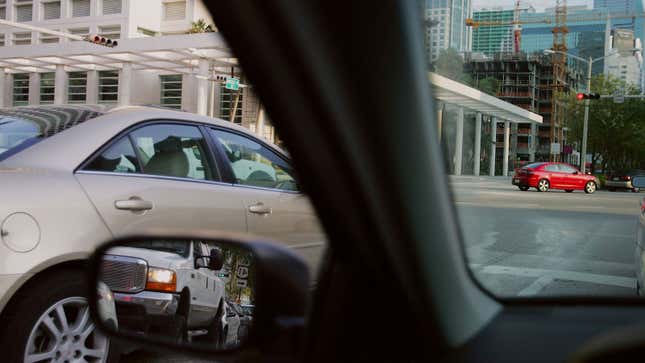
(232, 83)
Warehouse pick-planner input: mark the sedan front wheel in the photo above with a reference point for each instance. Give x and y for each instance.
(590, 187)
(543, 185)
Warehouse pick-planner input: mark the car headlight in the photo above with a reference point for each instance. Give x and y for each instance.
(161, 279)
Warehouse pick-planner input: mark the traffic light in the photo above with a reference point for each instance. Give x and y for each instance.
(587, 96)
(220, 78)
(97, 39)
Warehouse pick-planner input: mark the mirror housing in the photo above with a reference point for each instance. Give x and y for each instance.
(280, 294)
(638, 181)
(216, 259)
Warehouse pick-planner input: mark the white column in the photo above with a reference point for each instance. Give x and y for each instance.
(459, 140)
(92, 87)
(34, 88)
(493, 146)
(533, 142)
(4, 100)
(507, 139)
(478, 143)
(202, 87)
(259, 125)
(125, 84)
(60, 85)
(439, 118)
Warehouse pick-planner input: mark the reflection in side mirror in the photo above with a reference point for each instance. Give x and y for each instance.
(638, 182)
(159, 290)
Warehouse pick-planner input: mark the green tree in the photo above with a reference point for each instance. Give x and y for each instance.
(200, 26)
(488, 85)
(451, 65)
(615, 132)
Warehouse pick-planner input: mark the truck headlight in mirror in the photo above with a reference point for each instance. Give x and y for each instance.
(188, 292)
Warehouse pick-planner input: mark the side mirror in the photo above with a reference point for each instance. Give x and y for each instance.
(638, 181)
(142, 292)
(216, 259)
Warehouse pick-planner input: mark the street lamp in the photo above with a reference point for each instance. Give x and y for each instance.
(585, 127)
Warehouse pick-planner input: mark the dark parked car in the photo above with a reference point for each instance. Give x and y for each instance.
(623, 180)
(548, 175)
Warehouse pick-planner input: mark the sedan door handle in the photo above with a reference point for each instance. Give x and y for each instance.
(133, 204)
(259, 208)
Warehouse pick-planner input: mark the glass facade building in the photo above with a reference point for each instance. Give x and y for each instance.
(493, 39)
(445, 26)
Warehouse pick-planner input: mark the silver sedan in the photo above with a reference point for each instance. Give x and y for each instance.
(72, 177)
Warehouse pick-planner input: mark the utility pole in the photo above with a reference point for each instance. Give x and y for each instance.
(585, 124)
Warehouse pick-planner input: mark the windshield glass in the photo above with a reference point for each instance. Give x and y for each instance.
(540, 129)
(14, 132)
(181, 248)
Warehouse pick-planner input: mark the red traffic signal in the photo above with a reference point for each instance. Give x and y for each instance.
(97, 39)
(587, 96)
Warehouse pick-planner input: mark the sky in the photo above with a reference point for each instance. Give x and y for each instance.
(539, 5)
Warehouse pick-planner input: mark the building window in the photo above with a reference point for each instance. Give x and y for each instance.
(51, 10)
(175, 10)
(111, 7)
(2, 40)
(227, 103)
(24, 12)
(108, 86)
(22, 38)
(47, 86)
(3, 9)
(77, 87)
(171, 90)
(21, 89)
(80, 8)
(111, 31)
(79, 31)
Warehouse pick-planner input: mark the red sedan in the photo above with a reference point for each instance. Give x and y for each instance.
(545, 176)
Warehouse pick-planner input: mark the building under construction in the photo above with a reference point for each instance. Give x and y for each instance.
(528, 82)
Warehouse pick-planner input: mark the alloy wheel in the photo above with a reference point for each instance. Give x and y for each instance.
(590, 187)
(543, 185)
(65, 333)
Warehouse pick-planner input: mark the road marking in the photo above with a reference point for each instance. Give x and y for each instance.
(610, 280)
(536, 286)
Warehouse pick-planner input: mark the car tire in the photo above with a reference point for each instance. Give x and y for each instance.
(543, 185)
(590, 187)
(57, 301)
(524, 188)
(569, 190)
(216, 332)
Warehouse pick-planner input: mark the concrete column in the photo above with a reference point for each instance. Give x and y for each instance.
(532, 142)
(439, 118)
(493, 146)
(507, 139)
(125, 84)
(478, 142)
(459, 140)
(4, 100)
(34, 88)
(92, 87)
(202, 87)
(259, 125)
(60, 85)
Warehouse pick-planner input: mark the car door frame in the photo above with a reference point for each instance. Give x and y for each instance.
(213, 157)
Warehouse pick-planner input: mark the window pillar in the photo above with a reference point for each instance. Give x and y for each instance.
(60, 85)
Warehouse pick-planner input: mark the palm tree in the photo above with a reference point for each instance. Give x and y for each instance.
(200, 26)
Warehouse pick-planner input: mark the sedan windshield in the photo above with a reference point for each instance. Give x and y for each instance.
(17, 133)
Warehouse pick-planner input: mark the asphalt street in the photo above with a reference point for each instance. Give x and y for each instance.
(547, 244)
(534, 244)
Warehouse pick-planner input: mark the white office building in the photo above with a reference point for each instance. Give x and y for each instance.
(155, 63)
(446, 26)
(625, 64)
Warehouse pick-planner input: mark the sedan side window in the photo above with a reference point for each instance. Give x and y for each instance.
(173, 150)
(118, 158)
(567, 169)
(254, 164)
(552, 168)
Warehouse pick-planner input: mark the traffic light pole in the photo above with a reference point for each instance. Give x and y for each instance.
(585, 124)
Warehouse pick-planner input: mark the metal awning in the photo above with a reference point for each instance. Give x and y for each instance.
(452, 92)
(168, 54)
